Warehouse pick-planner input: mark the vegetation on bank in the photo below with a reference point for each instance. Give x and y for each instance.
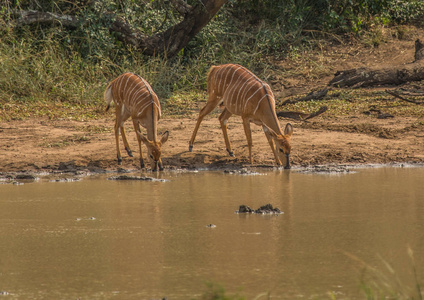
(50, 69)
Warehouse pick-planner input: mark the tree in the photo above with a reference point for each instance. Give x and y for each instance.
(175, 38)
(167, 43)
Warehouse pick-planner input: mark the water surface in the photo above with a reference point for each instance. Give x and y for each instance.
(103, 239)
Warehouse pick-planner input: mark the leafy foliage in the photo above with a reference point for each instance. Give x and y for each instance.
(53, 62)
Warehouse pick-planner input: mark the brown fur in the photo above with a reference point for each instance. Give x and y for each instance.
(241, 92)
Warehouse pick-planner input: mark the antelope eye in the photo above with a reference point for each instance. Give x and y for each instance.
(151, 156)
(281, 150)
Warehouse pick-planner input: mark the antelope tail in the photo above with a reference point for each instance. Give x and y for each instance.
(108, 96)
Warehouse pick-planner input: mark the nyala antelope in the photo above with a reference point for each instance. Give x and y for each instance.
(134, 97)
(241, 93)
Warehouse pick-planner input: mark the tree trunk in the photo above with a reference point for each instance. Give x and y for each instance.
(175, 38)
(365, 77)
(167, 43)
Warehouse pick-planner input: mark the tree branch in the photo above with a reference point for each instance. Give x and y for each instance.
(181, 7)
(28, 17)
(168, 42)
(175, 38)
(301, 116)
(318, 95)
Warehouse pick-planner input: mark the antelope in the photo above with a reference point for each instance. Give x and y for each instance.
(134, 97)
(241, 93)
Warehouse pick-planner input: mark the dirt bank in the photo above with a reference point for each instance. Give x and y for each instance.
(44, 145)
(41, 144)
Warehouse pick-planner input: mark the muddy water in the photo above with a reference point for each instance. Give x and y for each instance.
(102, 239)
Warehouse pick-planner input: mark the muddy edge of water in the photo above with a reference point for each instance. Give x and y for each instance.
(69, 172)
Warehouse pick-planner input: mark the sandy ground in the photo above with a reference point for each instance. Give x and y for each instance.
(45, 145)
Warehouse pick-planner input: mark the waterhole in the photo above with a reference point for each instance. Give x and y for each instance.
(135, 239)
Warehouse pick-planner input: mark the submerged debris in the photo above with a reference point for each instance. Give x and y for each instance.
(242, 171)
(325, 169)
(25, 177)
(65, 179)
(211, 226)
(128, 177)
(85, 219)
(265, 209)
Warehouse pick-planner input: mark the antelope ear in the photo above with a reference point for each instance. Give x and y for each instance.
(164, 137)
(271, 132)
(288, 130)
(143, 138)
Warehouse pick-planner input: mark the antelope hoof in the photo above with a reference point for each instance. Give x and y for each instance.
(190, 148)
(142, 163)
(129, 152)
(119, 160)
(287, 167)
(231, 153)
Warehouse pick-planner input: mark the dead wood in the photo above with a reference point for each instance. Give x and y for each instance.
(317, 95)
(28, 17)
(366, 77)
(380, 115)
(402, 96)
(301, 116)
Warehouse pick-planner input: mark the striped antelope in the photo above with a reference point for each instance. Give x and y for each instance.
(134, 97)
(241, 93)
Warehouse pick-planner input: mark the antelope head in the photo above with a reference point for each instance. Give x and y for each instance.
(282, 142)
(154, 150)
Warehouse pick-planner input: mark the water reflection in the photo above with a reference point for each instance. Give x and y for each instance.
(143, 240)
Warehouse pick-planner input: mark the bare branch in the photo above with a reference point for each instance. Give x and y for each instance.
(28, 17)
(318, 95)
(301, 116)
(399, 96)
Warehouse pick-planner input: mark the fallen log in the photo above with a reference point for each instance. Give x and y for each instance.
(301, 116)
(317, 95)
(366, 77)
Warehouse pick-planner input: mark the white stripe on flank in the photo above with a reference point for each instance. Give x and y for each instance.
(146, 105)
(137, 95)
(132, 92)
(158, 107)
(218, 86)
(119, 80)
(247, 101)
(247, 89)
(142, 97)
(232, 90)
(240, 97)
(128, 79)
(142, 108)
(232, 77)
(259, 102)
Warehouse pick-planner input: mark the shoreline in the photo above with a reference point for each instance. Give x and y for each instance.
(30, 176)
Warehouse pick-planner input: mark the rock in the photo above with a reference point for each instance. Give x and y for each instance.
(268, 209)
(265, 209)
(245, 209)
(25, 177)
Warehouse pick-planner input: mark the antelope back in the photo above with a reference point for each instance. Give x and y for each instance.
(135, 94)
(242, 92)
